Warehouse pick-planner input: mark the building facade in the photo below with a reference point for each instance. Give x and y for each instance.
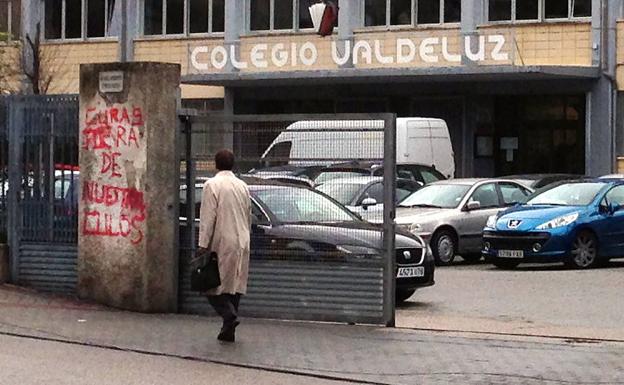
(524, 85)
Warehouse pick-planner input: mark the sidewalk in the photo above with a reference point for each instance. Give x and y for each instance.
(356, 353)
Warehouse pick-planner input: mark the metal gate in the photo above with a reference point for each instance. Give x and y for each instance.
(296, 271)
(40, 189)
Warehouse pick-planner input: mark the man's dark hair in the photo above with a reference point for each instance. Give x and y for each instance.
(224, 160)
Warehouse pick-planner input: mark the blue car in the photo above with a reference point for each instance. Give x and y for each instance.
(579, 223)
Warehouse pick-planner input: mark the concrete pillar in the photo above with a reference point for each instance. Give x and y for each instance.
(349, 18)
(129, 175)
(234, 28)
(471, 16)
(600, 129)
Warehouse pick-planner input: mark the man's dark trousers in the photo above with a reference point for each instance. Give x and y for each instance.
(226, 305)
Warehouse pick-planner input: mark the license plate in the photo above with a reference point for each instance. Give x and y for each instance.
(411, 272)
(510, 254)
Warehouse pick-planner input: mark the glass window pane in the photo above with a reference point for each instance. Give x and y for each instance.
(4, 16)
(500, 10)
(96, 11)
(218, 15)
(428, 11)
(153, 17)
(259, 15)
(15, 19)
(53, 19)
(452, 11)
(582, 8)
(375, 12)
(305, 20)
(73, 19)
(283, 14)
(527, 10)
(556, 9)
(400, 12)
(198, 16)
(175, 16)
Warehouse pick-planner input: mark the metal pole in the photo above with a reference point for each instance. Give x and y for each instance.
(123, 51)
(389, 194)
(190, 187)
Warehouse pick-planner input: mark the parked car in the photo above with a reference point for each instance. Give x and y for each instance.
(579, 223)
(418, 140)
(538, 181)
(364, 195)
(416, 172)
(451, 214)
(299, 222)
(309, 172)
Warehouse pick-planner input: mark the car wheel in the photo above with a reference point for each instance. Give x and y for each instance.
(504, 263)
(444, 246)
(471, 258)
(403, 294)
(584, 253)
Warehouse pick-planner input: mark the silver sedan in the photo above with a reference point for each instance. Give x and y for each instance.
(451, 214)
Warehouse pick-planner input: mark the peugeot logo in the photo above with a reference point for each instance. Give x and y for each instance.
(407, 255)
(514, 223)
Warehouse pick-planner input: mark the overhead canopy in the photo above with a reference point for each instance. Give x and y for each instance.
(432, 74)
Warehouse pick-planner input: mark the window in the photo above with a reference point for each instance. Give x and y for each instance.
(375, 192)
(515, 10)
(410, 12)
(276, 15)
(167, 17)
(9, 19)
(64, 19)
(512, 193)
(615, 196)
(278, 155)
(486, 195)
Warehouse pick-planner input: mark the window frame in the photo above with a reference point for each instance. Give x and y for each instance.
(9, 31)
(83, 24)
(414, 17)
(541, 14)
(186, 22)
(295, 20)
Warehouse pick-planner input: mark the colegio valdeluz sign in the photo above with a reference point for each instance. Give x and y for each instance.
(407, 51)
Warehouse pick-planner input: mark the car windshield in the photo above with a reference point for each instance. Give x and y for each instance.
(342, 192)
(330, 175)
(446, 196)
(299, 205)
(568, 194)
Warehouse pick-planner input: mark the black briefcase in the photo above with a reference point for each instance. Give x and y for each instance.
(206, 276)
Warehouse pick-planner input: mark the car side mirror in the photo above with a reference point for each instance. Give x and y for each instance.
(367, 202)
(473, 205)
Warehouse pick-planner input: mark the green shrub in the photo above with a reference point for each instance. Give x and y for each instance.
(3, 236)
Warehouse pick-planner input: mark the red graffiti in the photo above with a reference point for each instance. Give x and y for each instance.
(111, 211)
(102, 224)
(98, 222)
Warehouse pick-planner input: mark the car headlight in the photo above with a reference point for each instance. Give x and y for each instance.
(415, 228)
(491, 221)
(559, 222)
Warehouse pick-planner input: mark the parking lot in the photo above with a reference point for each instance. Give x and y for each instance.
(537, 300)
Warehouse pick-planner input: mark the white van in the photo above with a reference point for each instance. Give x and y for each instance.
(424, 141)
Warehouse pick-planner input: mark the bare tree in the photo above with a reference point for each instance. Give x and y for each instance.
(38, 66)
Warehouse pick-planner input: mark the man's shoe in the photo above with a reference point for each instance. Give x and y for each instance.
(227, 335)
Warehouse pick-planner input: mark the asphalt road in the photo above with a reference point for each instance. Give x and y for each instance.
(33, 362)
(546, 300)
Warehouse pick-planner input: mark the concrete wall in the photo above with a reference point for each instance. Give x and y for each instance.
(129, 171)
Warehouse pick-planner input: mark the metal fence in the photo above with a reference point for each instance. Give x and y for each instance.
(311, 258)
(41, 189)
(4, 169)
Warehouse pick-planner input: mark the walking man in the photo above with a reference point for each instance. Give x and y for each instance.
(225, 221)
